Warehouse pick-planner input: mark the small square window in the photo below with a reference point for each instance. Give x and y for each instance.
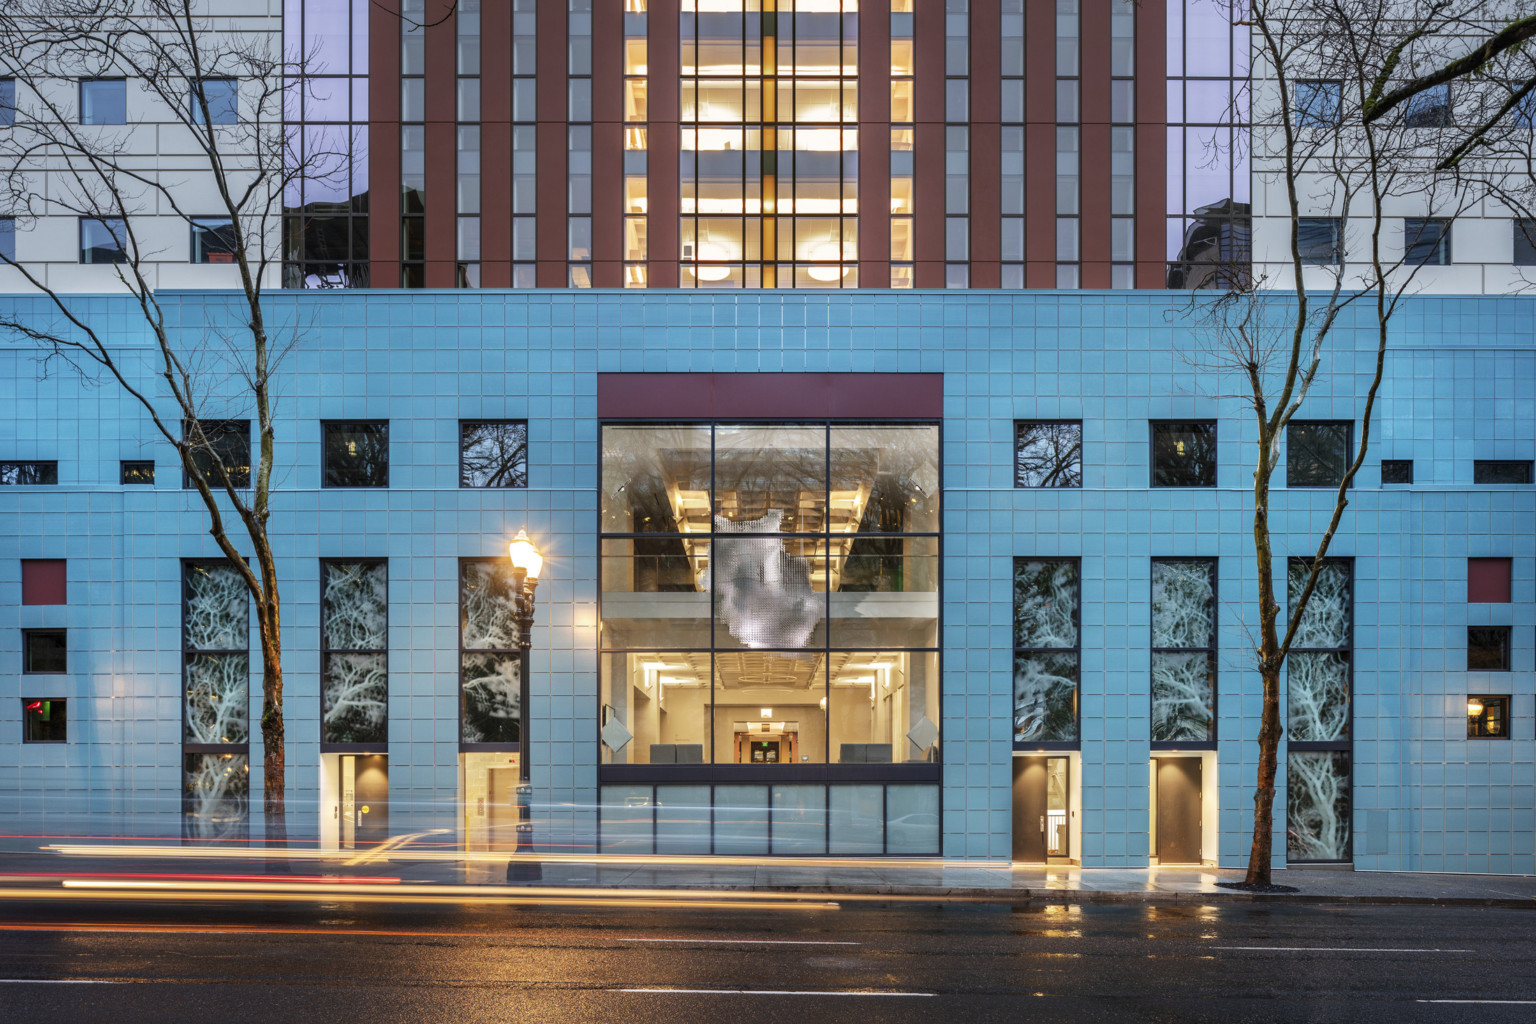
(1501, 471)
(7, 102)
(493, 453)
(43, 720)
(1488, 580)
(138, 472)
(28, 474)
(103, 240)
(1320, 239)
(1317, 453)
(1426, 241)
(355, 454)
(221, 96)
(1318, 103)
(1430, 108)
(213, 240)
(1184, 454)
(219, 444)
(1488, 717)
(1525, 241)
(1397, 471)
(43, 650)
(1488, 648)
(103, 101)
(1048, 453)
(44, 581)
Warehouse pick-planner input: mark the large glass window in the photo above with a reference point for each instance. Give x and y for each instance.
(354, 665)
(1048, 453)
(1047, 638)
(1184, 454)
(490, 661)
(219, 447)
(1183, 652)
(216, 671)
(1317, 453)
(769, 594)
(1319, 684)
(355, 454)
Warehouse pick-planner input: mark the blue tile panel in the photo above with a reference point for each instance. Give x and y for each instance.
(1460, 385)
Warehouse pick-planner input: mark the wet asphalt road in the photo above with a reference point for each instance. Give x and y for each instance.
(106, 961)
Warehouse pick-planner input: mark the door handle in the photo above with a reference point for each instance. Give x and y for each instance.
(1042, 823)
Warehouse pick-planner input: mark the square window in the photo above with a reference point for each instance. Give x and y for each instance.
(43, 581)
(1430, 108)
(103, 240)
(1317, 453)
(1488, 648)
(1426, 241)
(355, 454)
(1318, 103)
(43, 650)
(28, 474)
(1525, 242)
(493, 453)
(138, 472)
(221, 96)
(1501, 471)
(1488, 580)
(1397, 471)
(43, 720)
(213, 240)
(218, 447)
(1184, 454)
(1321, 239)
(1048, 453)
(7, 102)
(1487, 717)
(103, 101)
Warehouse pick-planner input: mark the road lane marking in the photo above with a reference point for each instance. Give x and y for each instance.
(1483, 1002)
(767, 992)
(1336, 949)
(755, 942)
(62, 981)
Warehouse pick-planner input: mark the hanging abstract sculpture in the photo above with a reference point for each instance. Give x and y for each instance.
(762, 593)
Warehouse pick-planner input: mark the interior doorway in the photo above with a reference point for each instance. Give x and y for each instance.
(1041, 811)
(1179, 782)
(363, 805)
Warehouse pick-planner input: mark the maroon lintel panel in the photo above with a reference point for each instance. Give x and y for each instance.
(888, 396)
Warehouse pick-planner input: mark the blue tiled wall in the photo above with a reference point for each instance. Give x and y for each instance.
(1460, 382)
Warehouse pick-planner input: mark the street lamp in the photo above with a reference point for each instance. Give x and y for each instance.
(526, 565)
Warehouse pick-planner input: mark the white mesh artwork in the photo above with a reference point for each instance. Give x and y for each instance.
(217, 610)
(489, 612)
(217, 695)
(217, 793)
(1326, 622)
(354, 690)
(1183, 615)
(1181, 697)
(1183, 608)
(1045, 683)
(493, 695)
(1318, 685)
(1045, 604)
(1045, 696)
(762, 593)
(1317, 806)
(490, 682)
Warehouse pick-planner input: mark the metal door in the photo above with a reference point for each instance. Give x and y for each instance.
(370, 802)
(1178, 810)
(1029, 809)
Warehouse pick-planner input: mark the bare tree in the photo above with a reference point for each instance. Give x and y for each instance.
(1334, 181)
(217, 93)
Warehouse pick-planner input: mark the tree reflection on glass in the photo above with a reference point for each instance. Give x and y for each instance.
(493, 454)
(1048, 454)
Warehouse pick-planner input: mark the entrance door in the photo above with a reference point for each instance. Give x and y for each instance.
(364, 799)
(1029, 799)
(1178, 810)
(501, 808)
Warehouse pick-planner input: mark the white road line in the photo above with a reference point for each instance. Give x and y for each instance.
(1483, 1002)
(754, 942)
(1336, 949)
(766, 992)
(62, 981)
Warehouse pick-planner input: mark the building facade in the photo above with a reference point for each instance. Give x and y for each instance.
(956, 573)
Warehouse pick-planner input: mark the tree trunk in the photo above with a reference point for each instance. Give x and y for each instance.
(273, 795)
(1264, 795)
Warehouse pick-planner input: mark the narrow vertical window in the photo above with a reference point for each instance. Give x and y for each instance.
(636, 169)
(1319, 686)
(525, 199)
(354, 659)
(1183, 652)
(490, 662)
(579, 144)
(216, 671)
(1122, 143)
(1047, 636)
(467, 197)
(413, 144)
(903, 131)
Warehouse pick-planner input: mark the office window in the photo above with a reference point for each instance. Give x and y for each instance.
(1487, 717)
(493, 453)
(1525, 241)
(43, 720)
(222, 98)
(103, 240)
(355, 454)
(43, 581)
(138, 472)
(1488, 648)
(1317, 452)
(1184, 454)
(354, 653)
(8, 239)
(219, 447)
(1048, 453)
(1501, 471)
(43, 650)
(7, 102)
(1488, 580)
(1183, 651)
(1397, 471)
(1319, 688)
(1047, 637)
(1320, 239)
(1430, 108)
(1317, 103)
(1426, 241)
(103, 101)
(28, 473)
(214, 240)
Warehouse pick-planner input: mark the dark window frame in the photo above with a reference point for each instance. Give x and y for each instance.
(328, 746)
(1210, 651)
(1305, 114)
(524, 683)
(1290, 448)
(215, 431)
(26, 653)
(1346, 745)
(26, 719)
(526, 468)
(1477, 725)
(89, 79)
(326, 426)
(128, 465)
(119, 259)
(195, 91)
(1524, 231)
(1215, 466)
(188, 565)
(199, 254)
(1335, 228)
(1076, 651)
(19, 467)
(1484, 466)
(1505, 648)
(1424, 109)
(7, 239)
(1019, 427)
(1439, 253)
(1398, 463)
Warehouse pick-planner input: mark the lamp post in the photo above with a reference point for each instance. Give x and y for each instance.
(526, 565)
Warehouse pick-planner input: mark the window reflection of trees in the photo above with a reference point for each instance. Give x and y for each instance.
(493, 454)
(1049, 455)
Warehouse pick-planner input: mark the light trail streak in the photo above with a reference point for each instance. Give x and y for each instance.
(393, 896)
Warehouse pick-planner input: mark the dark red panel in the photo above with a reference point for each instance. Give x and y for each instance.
(1151, 143)
(770, 395)
(1094, 146)
(928, 203)
(43, 581)
(1040, 145)
(384, 143)
(928, 62)
(608, 204)
(662, 58)
(874, 144)
(495, 146)
(551, 230)
(1488, 580)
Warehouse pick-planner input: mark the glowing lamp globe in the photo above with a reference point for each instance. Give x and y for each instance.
(525, 556)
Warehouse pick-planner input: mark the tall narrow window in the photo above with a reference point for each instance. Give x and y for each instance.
(467, 26)
(1068, 143)
(1012, 144)
(579, 135)
(1319, 684)
(636, 160)
(957, 143)
(413, 144)
(1047, 638)
(1122, 143)
(490, 663)
(525, 198)
(1183, 652)
(216, 670)
(903, 131)
(354, 659)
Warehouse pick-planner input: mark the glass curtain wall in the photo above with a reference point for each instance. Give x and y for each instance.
(769, 594)
(769, 143)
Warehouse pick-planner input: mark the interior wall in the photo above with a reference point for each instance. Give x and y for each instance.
(330, 801)
(1210, 809)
